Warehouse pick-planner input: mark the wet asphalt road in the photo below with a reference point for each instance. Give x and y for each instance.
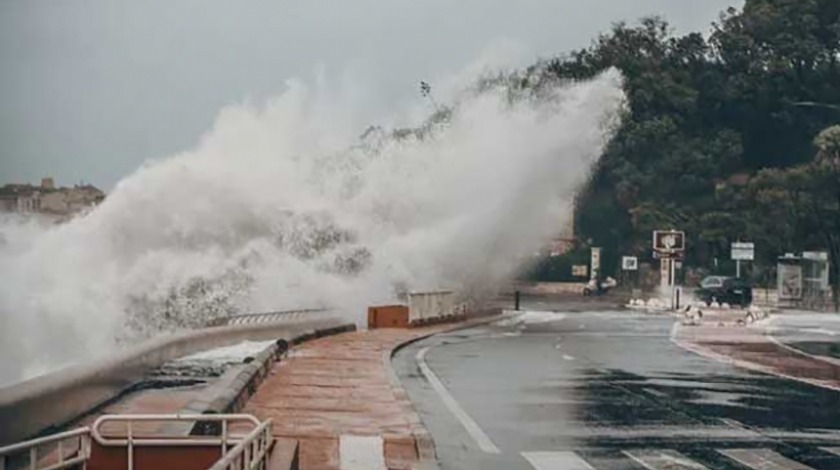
(608, 390)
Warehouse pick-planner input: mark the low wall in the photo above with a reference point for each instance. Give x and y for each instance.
(430, 307)
(44, 403)
(765, 297)
(548, 288)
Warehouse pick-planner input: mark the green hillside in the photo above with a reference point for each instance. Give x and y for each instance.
(719, 137)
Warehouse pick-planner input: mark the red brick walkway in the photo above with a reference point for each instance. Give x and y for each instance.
(751, 348)
(341, 385)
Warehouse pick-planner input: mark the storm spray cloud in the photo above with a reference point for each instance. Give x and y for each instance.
(285, 206)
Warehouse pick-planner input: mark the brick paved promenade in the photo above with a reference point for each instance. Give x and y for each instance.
(341, 386)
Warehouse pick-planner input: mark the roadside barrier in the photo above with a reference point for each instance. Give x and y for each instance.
(53, 400)
(90, 447)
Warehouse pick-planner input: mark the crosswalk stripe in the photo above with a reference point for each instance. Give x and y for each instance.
(556, 461)
(361, 452)
(763, 459)
(833, 450)
(663, 459)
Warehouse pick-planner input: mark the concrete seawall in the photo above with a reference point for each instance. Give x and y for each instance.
(46, 402)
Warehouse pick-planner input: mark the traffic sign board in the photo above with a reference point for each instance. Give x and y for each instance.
(629, 263)
(668, 241)
(742, 251)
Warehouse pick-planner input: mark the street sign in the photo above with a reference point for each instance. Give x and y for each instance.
(660, 255)
(743, 251)
(629, 263)
(815, 255)
(596, 260)
(668, 241)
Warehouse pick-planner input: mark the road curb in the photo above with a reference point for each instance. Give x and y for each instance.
(710, 354)
(423, 441)
(768, 332)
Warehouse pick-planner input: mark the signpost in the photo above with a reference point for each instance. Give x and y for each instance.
(595, 261)
(742, 251)
(669, 246)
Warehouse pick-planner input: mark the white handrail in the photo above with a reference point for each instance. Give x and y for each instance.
(32, 447)
(131, 441)
(267, 317)
(129, 418)
(244, 455)
(255, 444)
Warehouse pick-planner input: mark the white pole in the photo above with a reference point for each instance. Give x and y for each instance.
(664, 270)
(672, 268)
(737, 268)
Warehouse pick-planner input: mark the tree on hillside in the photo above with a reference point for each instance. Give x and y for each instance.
(799, 207)
(775, 56)
(703, 117)
(661, 168)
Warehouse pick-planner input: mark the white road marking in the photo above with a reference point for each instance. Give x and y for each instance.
(361, 453)
(833, 450)
(556, 461)
(568, 358)
(655, 392)
(763, 459)
(663, 459)
(732, 422)
(479, 436)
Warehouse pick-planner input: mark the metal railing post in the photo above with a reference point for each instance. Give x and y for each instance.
(224, 437)
(84, 449)
(130, 445)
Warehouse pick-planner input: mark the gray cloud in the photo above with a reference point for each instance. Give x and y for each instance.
(92, 88)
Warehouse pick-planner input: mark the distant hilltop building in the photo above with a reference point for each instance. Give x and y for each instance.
(49, 199)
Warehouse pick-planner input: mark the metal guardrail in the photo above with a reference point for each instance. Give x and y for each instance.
(129, 419)
(251, 453)
(223, 441)
(32, 448)
(269, 317)
(54, 399)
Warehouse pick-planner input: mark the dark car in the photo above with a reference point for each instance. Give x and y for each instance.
(724, 289)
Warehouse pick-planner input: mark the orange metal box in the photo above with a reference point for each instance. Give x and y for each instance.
(387, 316)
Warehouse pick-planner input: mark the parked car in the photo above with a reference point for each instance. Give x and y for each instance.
(724, 289)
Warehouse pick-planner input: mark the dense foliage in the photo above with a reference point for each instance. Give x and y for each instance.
(717, 127)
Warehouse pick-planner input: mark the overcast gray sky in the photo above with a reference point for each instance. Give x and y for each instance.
(92, 88)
